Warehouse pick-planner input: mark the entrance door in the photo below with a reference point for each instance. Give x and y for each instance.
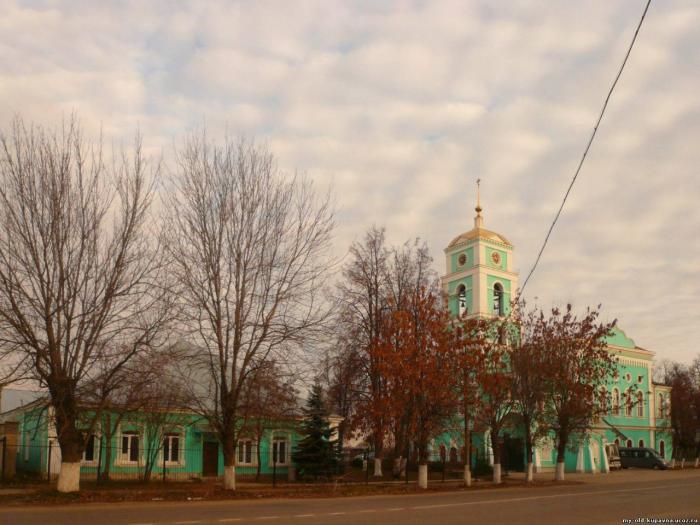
(210, 459)
(512, 454)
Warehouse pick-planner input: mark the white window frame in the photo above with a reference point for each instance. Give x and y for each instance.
(275, 438)
(240, 452)
(629, 409)
(124, 460)
(640, 404)
(96, 453)
(180, 435)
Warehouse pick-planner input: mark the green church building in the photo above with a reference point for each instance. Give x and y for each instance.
(480, 281)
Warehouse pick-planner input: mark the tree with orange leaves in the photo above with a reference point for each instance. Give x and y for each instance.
(576, 364)
(470, 337)
(417, 359)
(492, 377)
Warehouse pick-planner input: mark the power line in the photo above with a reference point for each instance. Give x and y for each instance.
(588, 147)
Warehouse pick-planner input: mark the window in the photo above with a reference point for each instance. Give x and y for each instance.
(171, 447)
(661, 406)
(603, 400)
(640, 404)
(616, 402)
(629, 443)
(662, 448)
(90, 454)
(617, 441)
(245, 452)
(628, 404)
(641, 443)
(498, 307)
(279, 451)
(462, 299)
(640, 379)
(129, 451)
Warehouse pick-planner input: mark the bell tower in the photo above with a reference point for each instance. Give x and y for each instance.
(479, 278)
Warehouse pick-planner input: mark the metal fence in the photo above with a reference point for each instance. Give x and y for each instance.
(168, 462)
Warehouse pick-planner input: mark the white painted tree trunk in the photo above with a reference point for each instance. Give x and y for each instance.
(378, 468)
(404, 463)
(423, 476)
(496, 472)
(530, 473)
(559, 473)
(467, 476)
(230, 477)
(69, 477)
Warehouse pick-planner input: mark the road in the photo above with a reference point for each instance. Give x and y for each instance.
(602, 499)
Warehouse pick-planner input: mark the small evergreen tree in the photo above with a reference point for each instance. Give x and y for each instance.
(316, 454)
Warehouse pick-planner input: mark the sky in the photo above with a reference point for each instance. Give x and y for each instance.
(400, 106)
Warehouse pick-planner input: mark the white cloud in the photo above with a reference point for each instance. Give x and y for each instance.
(402, 105)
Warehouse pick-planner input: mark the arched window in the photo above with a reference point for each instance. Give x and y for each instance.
(640, 404)
(628, 404)
(443, 452)
(462, 300)
(660, 406)
(662, 448)
(629, 443)
(641, 443)
(603, 400)
(498, 307)
(616, 402)
(617, 441)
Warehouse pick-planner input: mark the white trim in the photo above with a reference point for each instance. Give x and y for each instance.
(253, 453)
(275, 436)
(96, 451)
(123, 461)
(180, 448)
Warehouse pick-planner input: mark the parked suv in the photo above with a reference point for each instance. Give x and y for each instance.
(640, 457)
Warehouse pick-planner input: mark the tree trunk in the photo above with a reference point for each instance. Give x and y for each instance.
(229, 450)
(258, 457)
(423, 475)
(107, 467)
(70, 440)
(561, 452)
(529, 477)
(467, 451)
(378, 468)
(495, 446)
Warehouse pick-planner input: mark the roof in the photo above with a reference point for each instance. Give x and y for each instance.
(478, 233)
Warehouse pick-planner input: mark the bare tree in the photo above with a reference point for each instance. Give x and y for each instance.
(80, 280)
(250, 252)
(362, 300)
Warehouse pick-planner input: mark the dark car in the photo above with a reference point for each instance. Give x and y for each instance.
(641, 457)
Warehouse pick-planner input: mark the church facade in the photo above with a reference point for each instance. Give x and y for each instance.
(481, 280)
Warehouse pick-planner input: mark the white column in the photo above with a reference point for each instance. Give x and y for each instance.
(579, 460)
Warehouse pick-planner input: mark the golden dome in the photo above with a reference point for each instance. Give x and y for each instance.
(476, 233)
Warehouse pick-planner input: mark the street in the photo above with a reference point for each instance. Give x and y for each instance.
(602, 499)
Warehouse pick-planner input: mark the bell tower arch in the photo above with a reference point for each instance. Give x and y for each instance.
(480, 279)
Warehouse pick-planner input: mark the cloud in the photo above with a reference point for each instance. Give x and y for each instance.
(402, 105)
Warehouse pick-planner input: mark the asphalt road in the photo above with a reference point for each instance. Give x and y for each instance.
(602, 499)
